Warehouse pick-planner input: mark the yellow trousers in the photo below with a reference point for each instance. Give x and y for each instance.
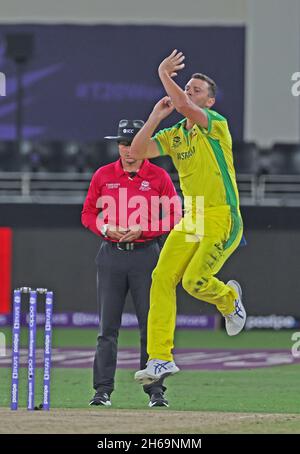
(195, 263)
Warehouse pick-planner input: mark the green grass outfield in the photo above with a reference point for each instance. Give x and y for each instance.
(266, 390)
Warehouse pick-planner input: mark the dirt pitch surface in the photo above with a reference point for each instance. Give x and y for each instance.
(153, 421)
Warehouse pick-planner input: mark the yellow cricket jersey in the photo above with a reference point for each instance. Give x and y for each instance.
(203, 159)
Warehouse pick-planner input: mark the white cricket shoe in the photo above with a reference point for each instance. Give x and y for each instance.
(156, 369)
(235, 321)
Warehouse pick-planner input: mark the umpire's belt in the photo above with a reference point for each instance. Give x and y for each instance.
(123, 246)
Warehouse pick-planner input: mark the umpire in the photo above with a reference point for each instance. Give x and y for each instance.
(129, 252)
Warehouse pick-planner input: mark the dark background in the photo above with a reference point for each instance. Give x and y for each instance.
(83, 79)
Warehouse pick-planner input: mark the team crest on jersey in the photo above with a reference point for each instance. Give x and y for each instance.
(176, 142)
(145, 186)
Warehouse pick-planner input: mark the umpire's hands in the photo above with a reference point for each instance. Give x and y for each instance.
(133, 233)
(116, 232)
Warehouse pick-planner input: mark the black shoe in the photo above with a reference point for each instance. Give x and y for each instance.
(158, 400)
(101, 399)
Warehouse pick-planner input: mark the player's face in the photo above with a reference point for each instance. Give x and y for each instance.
(125, 153)
(197, 90)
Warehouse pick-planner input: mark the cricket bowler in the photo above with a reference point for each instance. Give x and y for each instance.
(200, 146)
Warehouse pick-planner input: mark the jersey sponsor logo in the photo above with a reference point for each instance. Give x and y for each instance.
(185, 154)
(112, 185)
(145, 186)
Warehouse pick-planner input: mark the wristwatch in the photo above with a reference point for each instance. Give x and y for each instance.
(103, 230)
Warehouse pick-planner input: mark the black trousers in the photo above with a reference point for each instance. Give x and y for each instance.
(117, 272)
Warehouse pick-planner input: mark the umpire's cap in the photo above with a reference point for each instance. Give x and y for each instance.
(127, 130)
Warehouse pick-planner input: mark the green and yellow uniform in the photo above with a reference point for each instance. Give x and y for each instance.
(203, 159)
